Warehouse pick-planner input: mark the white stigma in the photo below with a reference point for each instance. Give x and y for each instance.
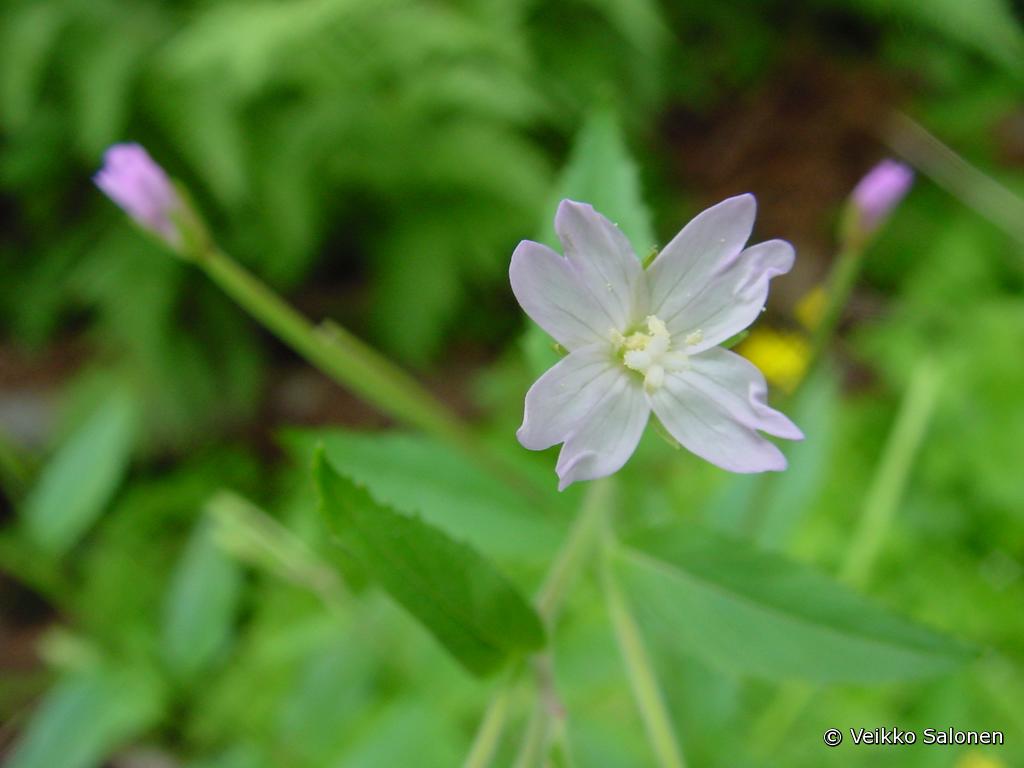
(651, 353)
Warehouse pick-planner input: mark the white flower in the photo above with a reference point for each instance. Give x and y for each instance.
(646, 340)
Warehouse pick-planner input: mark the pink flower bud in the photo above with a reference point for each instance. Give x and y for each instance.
(132, 179)
(879, 192)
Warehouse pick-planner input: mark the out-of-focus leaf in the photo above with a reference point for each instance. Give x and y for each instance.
(416, 295)
(88, 716)
(417, 474)
(201, 603)
(477, 614)
(101, 77)
(406, 732)
(28, 38)
(239, 756)
(641, 22)
(987, 26)
(601, 172)
(334, 688)
(82, 477)
(759, 613)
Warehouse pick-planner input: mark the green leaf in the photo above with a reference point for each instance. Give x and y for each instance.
(601, 172)
(82, 477)
(758, 613)
(27, 40)
(987, 26)
(201, 603)
(417, 474)
(475, 612)
(87, 717)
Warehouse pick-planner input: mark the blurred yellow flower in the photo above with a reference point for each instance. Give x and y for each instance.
(979, 760)
(781, 355)
(811, 307)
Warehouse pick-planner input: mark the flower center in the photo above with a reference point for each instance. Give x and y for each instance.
(651, 353)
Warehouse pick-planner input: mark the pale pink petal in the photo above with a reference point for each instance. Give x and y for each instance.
(686, 265)
(718, 418)
(552, 294)
(605, 262)
(739, 388)
(879, 192)
(734, 297)
(607, 436)
(560, 399)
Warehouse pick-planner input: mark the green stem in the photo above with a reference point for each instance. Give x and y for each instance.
(353, 364)
(890, 478)
(335, 351)
(557, 583)
(577, 545)
(985, 194)
(492, 726)
(642, 678)
(841, 280)
(538, 730)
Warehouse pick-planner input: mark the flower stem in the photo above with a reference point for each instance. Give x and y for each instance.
(492, 726)
(890, 477)
(352, 363)
(333, 350)
(557, 583)
(841, 280)
(639, 668)
(574, 550)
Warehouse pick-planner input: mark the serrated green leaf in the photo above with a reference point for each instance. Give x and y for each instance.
(761, 614)
(474, 611)
(417, 474)
(86, 717)
(201, 603)
(82, 477)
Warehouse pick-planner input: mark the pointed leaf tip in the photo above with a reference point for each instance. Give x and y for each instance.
(456, 593)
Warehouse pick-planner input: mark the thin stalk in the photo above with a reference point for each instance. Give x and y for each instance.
(972, 186)
(840, 283)
(492, 726)
(646, 691)
(335, 351)
(352, 363)
(577, 545)
(538, 730)
(556, 585)
(639, 668)
(842, 277)
(890, 478)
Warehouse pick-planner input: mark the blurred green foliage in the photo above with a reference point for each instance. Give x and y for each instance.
(378, 160)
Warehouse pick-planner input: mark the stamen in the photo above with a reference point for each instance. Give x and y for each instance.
(654, 378)
(651, 353)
